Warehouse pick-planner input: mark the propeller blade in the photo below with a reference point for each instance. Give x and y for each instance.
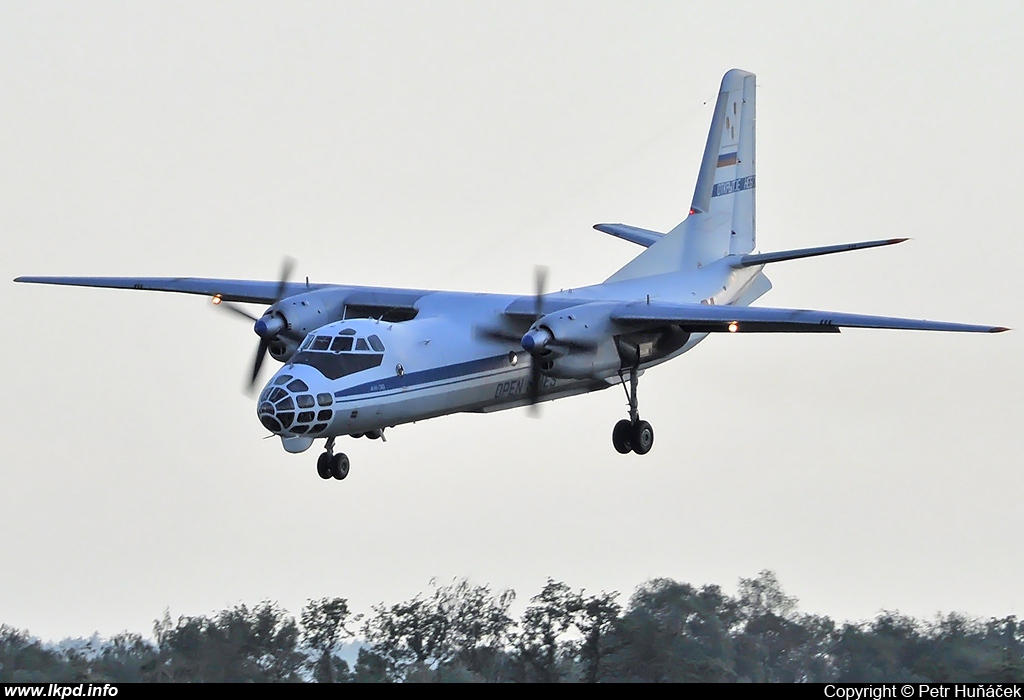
(534, 388)
(261, 352)
(541, 280)
(237, 309)
(540, 274)
(286, 271)
(497, 334)
(541, 283)
(583, 345)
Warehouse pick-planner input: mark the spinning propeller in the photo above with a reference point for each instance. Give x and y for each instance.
(533, 344)
(269, 326)
(535, 340)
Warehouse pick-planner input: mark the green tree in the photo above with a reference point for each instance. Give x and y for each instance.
(595, 619)
(458, 626)
(773, 641)
(25, 660)
(545, 622)
(673, 632)
(238, 645)
(323, 627)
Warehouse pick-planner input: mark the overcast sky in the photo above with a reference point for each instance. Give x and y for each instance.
(457, 145)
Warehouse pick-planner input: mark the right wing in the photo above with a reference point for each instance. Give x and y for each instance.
(253, 291)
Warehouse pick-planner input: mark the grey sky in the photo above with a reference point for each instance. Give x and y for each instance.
(456, 145)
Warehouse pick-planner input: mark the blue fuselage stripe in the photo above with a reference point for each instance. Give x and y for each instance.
(459, 372)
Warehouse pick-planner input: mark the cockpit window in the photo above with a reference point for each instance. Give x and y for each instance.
(341, 354)
(342, 343)
(284, 378)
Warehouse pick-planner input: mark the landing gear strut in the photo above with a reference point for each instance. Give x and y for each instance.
(331, 465)
(633, 435)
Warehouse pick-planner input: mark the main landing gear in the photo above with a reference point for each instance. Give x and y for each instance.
(633, 435)
(331, 465)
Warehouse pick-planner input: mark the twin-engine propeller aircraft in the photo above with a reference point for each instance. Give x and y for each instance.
(358, 360)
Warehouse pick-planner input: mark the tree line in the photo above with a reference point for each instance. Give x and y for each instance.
(668, 631)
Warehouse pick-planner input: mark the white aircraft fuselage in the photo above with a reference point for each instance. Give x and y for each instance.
(437, 363)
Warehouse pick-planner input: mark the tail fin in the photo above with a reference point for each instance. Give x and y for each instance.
(721, 220)
(725, 184)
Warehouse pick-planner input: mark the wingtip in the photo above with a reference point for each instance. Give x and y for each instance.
(894, 241)
(998, 329)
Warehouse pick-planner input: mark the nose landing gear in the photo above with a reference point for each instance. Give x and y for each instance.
(633, 435)
(330, 465)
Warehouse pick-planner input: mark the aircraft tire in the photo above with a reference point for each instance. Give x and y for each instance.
(642, 438)
(323, 466)
(622, 433)
(339, 466)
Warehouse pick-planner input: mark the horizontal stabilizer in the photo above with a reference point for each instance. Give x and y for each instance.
(764, 258)
(640, 236)
(750, 319)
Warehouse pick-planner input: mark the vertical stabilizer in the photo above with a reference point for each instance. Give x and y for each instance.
(725, 185)
(721, 220)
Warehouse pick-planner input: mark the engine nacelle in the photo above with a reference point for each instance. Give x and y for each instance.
(582, 342)
(297, 316)
(579, 327)
(578, 342)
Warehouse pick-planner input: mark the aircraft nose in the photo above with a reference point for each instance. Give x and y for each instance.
(290, 406)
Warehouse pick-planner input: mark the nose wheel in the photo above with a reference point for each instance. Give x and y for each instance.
(632, 435)
(330, 465)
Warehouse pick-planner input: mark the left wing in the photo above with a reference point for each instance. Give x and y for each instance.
(703, 318)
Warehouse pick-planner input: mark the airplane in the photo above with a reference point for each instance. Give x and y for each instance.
(360, 360)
